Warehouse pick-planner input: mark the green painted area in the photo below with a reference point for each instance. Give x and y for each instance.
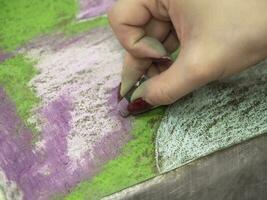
(22, 20)
(135, 164)
(15, 73)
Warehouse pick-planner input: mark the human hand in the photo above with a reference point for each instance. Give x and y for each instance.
(216, 39)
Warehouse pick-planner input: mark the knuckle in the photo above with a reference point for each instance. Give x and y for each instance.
(127, 44)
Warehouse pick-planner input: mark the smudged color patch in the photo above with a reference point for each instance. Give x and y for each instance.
(15, 73)
(34, 171)
(4, 56)
(87, 78)
(24, 19)
(135, 164)
(93, 8)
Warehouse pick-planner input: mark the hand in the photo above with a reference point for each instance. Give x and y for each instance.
(216, 39)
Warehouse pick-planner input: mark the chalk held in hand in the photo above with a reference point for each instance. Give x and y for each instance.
(122, 107)
(126, 107)
(138, 106)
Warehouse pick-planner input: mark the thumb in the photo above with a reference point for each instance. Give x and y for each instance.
(183, 76)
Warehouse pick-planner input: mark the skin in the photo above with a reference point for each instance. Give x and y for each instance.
(217, 39)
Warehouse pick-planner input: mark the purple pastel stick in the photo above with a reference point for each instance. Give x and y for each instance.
(122, 107)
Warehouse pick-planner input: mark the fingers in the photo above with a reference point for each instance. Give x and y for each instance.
(180, 79)
(127, 19)
(133, 67)
(152, 71)
(158, 29)
(171, 44)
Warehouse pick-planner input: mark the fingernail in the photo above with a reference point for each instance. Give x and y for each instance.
(163, 61)
(119, 93)
(152, 47)
(138, 106)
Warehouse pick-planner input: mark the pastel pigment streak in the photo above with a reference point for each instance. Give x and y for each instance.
(43, 173)
(112, 143)
(4, 56)
(87, 78)
(125, 123)
(92, 8)
(37, 173)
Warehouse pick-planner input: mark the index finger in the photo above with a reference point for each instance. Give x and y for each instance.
(127, 19)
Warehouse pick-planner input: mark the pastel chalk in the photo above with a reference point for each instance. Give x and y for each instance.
(122, 107)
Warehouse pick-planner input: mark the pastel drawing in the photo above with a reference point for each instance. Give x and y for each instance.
(61, 136)
(61, 133)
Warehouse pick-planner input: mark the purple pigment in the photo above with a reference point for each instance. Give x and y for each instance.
(24, 165)
(92, 8)
(122, 107)
(113, 104)
(4, 56)
(112, 143)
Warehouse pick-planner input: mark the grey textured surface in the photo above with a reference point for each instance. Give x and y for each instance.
(237, 173)
(214, 117)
